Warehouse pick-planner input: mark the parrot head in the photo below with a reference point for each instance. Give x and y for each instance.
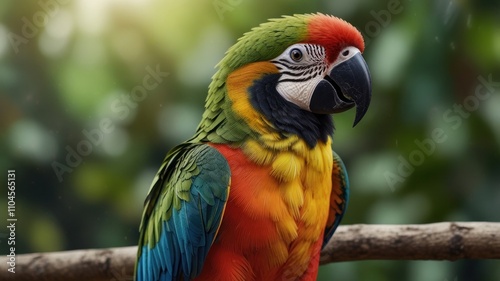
(325, 73)
(295, 67)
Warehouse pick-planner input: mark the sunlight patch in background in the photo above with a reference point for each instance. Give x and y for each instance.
(89, 52)
(80, 96)
(116, 143)
(30, 141)
(457, 139)
(107, 108)
(170, 32)
(178, 123)
(369, 171)
(49, 235)
(431, 270)
(411, 209)
(92, 16)
(483, 40)
(199, 67)
(128, 45)
(57, 34)
(394, 43)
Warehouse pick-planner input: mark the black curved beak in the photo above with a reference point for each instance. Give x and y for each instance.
(347, 85)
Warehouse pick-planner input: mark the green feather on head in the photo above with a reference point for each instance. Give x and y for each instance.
(262, 43)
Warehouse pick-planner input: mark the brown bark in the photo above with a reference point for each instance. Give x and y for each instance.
(439, 241)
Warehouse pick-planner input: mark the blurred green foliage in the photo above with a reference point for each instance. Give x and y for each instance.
(65, 66)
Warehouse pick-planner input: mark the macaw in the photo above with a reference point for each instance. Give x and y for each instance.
(257, 192)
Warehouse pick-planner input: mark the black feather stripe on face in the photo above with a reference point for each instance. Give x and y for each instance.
(286, 116)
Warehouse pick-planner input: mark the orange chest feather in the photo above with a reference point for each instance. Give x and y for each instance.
(277, 208)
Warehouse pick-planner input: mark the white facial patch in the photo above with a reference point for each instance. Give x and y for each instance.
(302, 67)
(299, 93)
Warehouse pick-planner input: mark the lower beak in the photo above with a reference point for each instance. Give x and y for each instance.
(347, 85)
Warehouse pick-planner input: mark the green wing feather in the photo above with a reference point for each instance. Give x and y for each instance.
(182, 213)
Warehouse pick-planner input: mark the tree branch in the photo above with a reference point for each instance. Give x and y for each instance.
(439, 241)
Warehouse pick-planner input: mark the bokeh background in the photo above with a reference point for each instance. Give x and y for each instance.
(65, 66)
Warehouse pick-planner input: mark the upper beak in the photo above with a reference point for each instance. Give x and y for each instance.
(348, 84)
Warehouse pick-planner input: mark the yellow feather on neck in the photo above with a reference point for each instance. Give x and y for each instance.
(302, 175)
(238, 84)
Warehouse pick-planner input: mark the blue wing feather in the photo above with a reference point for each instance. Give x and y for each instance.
(175, 240)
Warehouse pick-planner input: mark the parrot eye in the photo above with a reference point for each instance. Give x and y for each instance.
(296, 55)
